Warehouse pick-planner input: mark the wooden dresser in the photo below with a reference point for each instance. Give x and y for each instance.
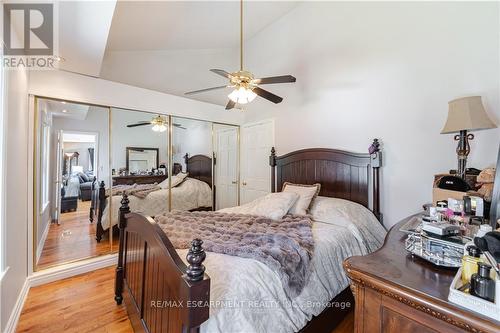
(141, 179)
(395, 292)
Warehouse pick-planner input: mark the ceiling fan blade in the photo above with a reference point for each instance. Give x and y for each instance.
(179, 126)
(139, 124)
(230, 104)
(203, 90)
(276, 79)
(221, 72)
(267, 95)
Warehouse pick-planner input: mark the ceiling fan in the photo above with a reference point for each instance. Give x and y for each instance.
(246, 87)
(160, 124)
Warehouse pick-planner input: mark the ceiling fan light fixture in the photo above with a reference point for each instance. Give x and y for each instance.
(159, 128)
(242, 95)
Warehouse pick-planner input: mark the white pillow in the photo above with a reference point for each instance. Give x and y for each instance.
(176, 180)
(273, 205)
(306, 193)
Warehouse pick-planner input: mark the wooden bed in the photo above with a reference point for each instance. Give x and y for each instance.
(198, 166)
(150, 270)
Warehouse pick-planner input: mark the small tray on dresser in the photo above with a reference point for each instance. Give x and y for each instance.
(436, 251)
(473, 303)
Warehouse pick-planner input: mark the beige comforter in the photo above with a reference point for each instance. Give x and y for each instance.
(247, 296)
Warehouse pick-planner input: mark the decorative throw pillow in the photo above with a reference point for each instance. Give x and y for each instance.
(306, 193)
(176, 180)
(272, 205)
(83, 177)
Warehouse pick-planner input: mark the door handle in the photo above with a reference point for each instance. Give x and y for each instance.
(244, 183)
(234, 182)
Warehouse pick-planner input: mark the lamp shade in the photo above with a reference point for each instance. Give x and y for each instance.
(467, 114)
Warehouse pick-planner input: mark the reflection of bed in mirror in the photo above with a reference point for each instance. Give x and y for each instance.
(191, 191)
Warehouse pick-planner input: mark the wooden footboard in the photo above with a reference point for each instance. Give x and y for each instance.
(161, 293)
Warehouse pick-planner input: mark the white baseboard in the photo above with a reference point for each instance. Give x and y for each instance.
(72, 269)
(18, 308)
(54, 274)
(39, 248)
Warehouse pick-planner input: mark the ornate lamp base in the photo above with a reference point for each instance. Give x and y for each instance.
(463, 150)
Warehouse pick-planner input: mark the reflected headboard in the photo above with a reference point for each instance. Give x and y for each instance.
(342, 174)
(199, 167)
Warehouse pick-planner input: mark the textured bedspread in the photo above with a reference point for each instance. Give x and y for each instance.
(247, 296)
(285, 246)
(137, 190)
(191, 194)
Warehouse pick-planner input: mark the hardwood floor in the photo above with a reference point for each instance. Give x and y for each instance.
(82, 303)
(73, 239)
(347, 325)
(85, 303)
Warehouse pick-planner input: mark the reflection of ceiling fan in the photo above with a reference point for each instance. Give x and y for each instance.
(246, 87)
(160, 124)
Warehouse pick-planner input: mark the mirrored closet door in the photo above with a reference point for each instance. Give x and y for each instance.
(139, 164)
(71, 160)
(192, 165)
(87, 156)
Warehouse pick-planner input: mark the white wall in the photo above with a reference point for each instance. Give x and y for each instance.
(382, 70)
(196, 139)
(95, 122)
(142, 136)
(16, 187)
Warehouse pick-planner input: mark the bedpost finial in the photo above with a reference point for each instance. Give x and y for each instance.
(195, 257)
(125, 201)
(374, 147)
(272, 157)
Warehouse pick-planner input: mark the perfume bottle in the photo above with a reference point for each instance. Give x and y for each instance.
(469, 263)
(481, 285)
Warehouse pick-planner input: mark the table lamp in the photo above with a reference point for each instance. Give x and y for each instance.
(466, 114)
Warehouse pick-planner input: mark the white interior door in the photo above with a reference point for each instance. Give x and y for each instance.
(226, 177)
(256, 142)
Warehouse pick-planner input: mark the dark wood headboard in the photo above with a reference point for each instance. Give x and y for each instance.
(342, 174)
(199, 167)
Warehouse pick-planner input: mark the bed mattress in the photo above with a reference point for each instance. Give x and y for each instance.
(247, 296)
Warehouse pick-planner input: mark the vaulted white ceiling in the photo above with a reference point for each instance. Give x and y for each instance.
(188, 25)
(166, 46)
(83, 28)
(170, 46)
